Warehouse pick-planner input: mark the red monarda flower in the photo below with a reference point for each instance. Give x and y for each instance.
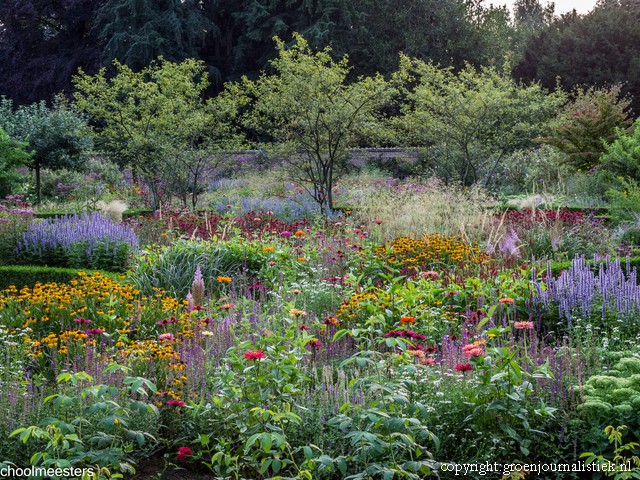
(254, 355)
(463, 367)
(184, 453)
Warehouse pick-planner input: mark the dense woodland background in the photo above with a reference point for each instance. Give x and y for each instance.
(44, 42)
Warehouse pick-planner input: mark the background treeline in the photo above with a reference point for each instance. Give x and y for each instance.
(44, 42)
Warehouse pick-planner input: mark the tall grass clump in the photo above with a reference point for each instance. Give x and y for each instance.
(413, 210)
(78, 241)
(172, 268)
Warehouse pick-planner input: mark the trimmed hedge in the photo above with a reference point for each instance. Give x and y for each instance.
(28, 276)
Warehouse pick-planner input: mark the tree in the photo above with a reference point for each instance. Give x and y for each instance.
(136, 32)
(310, 111)
(530, 18)
(586, 124)
(622, 156)
(42, 43)
(57, 136)
(472, 119)
(154, 120)
(12, 155)
(598, 49)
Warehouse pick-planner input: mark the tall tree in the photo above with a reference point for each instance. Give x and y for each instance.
(57, 136)
(136, 32)
(155, 120)
(472, 119)
(310, 112)
(530, 18)
(601, 48)
(320, 22)
(447, 32)
(42, 43)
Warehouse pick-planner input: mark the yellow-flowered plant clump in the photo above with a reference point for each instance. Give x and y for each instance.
(96, 318)
(431, 250)
(88, 302)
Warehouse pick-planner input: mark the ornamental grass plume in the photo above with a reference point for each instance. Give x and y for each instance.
(197, 288)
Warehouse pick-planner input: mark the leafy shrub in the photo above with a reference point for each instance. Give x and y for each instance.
(624, 201)
(622, 157)
(103, 433)
(79, 241)
(612, 397)
(631, 236)
(172, 267)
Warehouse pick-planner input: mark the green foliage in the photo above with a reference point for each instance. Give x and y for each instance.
(600, 48)
(594, 118)
(258, 386)
(504, 394)
(631, 237)
(28, 276)
(310, 110)
(12, 155)
(57, 136)
(622, 156)
(623, 457)
(470, 120)
(93, 428)
(612, 396)
(624, 201)
(387, 436)
(157, 121)
(172, 267)
(137, 32)
(537, 170)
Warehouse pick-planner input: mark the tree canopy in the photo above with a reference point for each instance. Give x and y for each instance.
(155, 120)
(310, 110)
(601, 48)
(56, 136)
(472, 119)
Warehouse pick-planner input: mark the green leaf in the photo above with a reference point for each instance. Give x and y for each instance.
(308, 453)
(265, 442)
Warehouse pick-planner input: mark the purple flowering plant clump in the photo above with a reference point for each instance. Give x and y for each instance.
(15, 217)
(605, 293)
(78, 241)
